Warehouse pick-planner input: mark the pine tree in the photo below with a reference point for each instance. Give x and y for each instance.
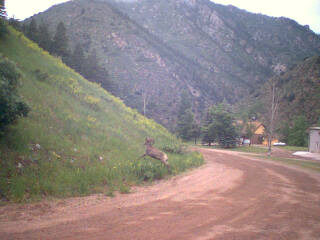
(185, 103)
(3, 12)
(78, 60)
(32, 31)
(219, 127)
(207, 135)
(3, 26)
(95, 72)
(24, 28)
(15, 24)
(185, 125)
(44, 37)
(92, 66)
(60, 42)
(298, 132)
(185, 118)
(195, 131)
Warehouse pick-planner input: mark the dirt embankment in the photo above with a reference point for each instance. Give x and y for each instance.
(231, 197)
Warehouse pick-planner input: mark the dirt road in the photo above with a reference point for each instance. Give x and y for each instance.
(231, 197)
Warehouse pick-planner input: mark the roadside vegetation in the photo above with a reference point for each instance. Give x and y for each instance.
(293, 148)
(77, 138)
(315, 166)
(250, 149)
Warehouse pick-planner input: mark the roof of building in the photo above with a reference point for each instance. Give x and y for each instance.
(258, 127)
(314, 128)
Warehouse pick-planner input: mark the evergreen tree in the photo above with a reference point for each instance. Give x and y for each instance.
(78, 60)
(298, 135)
(195, 131)
(15, 24)
(60, 42)
(24, 28)
(220, 127)
(185, 118)
(185, 125)
(92, 66)
(94, 72)
(249, 131)
(284, 130)
(3, 26)
(44, 37)
(32, 31)
(207, 136)
(185, 103)
(3, 13)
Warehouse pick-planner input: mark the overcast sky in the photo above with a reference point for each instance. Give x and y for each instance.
(305, 12)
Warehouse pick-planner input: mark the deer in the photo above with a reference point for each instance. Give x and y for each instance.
(155, 153)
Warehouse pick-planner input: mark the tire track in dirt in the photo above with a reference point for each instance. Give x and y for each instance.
(231, 197)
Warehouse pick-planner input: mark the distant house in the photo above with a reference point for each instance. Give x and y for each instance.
(314, 139)
(258, 136)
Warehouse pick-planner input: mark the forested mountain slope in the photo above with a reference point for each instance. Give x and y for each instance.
(156, 50)
(300, 90)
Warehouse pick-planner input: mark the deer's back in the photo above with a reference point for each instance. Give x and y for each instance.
(156, 153)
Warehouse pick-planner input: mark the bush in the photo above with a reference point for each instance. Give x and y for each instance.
(3, 28)
(298, 135)
(173, 148)
(11, 105)
(41, 76)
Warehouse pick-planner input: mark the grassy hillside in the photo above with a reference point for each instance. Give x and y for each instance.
(88, 139)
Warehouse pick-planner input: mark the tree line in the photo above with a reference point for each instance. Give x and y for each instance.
(217, 125)
(85, 63)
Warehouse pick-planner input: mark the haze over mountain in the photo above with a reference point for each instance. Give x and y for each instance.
(156, 50)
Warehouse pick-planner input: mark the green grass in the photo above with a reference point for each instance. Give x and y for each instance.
(300, 163)
(293, 148)
(89, 139)
(251, 149)
(246, 149)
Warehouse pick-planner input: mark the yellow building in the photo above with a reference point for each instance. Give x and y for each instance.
(259, 136)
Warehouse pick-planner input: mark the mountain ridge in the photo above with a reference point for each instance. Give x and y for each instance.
(214, 52)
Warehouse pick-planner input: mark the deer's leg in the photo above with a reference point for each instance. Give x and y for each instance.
(141, 157)
(165, 162)
(168, 167)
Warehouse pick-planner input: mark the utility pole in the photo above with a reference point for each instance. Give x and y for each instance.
(275, 101)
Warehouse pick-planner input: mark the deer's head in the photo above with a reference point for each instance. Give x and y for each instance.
(149, 141)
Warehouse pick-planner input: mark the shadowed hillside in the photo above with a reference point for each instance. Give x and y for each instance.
(301, 91)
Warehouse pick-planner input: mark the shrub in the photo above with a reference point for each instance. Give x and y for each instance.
(298, 132)
(41, 76)
(11, 105)
(3, 28)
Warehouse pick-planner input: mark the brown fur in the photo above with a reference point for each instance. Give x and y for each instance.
(155, 153)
